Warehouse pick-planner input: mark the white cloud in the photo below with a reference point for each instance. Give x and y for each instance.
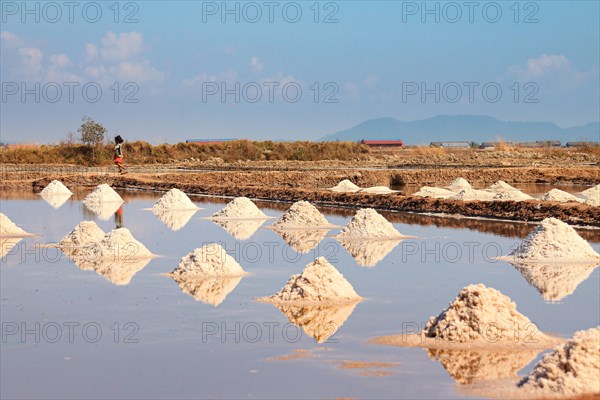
(351, 90)
(119, 47)
(31, 62)
(60, 60)
(10, 40)
(371, 80)
(91, 51)
(140, 72)
(554, 66)
(256, 65)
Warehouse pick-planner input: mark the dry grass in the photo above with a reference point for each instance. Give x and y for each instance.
(137, 153)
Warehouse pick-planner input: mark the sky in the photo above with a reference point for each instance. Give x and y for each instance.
(166, 71)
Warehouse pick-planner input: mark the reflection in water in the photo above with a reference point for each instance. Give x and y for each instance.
(241, 229)
(7, 244)
(209, 290)
(368, 253)
(555, 281)
(174, 219)
(104, 210)
(469, 366)
(302, 240)
(319, 321)
(119, 218)
(55, 200)
(118, 270)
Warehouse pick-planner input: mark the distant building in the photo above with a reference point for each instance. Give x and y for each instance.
(582, 144)
(383, 143)
(454, 144)
(209, 141)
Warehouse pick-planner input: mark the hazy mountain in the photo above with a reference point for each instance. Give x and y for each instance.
(464, 127)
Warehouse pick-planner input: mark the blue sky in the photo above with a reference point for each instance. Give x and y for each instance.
(372, 58)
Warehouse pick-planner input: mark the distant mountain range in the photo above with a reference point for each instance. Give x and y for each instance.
(472, 128)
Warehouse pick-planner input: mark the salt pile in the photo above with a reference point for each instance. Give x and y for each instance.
(555, 281)
(9, 228)
(469, 366)
(511, 195)
(458, 184)
(174, 219)
(210, 290)
(302, 214)
(85, 233)
(571, 369)
(553, 241)
(377, 190)
(241, 229)
(476, 309)
(345, 186)
(592, 196)
(320, 282)
(318, 321)
(501, 186)
(369, 224)
(302, 240)
(560, 196)
(473, 195)
(368, 253)
(116, 245)
(56, 188)
(174, 199)
(102, 194)
(434, 192)
(208, 260)
(240, 208)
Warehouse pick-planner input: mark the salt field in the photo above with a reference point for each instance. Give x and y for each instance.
(73, 332)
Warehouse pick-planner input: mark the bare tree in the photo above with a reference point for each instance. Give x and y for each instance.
(92, 132)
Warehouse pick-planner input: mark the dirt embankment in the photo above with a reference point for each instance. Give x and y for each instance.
(257, 186)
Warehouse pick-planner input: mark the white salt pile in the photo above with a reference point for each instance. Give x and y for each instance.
(434, 192)
(511, 195)
(551, 242)
(320, 282)
(369, 224)
(592, 196)
(85, 233)
(174, 199)
(118, 244)
(174, 219)
(555, 281)
(377, 190)
(302, 214)
(319, 321)
(572, 369)
(473, 195)
(56, 188)
(208, 260)
(9, 228)
(560, 196)
(469, 317)
(118, 270)
(458, 184)
(209, 290)
(104, 211)
(102, 194)
(501, 186)
(240, 208)
(345, 186)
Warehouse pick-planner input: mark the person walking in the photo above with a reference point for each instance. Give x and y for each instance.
(119, 153)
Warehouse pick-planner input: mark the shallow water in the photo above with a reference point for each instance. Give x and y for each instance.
(157, 341)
